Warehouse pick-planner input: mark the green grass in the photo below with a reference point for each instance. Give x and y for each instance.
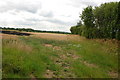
(35, 58)
(88, 72)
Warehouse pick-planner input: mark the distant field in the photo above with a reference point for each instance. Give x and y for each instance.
(49, 55)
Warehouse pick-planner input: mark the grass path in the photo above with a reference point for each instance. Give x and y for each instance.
(37, 57)
(63, 61)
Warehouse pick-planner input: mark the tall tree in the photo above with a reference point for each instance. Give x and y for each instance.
(105, 17)
(118, 22)
(88, 17)
(101, 22)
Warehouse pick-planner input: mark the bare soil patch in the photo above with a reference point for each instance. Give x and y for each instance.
(89, 64)
(54, 47)
(48, 45)
(49, 74)
(32, 77)
(73, 56)
(113, 74)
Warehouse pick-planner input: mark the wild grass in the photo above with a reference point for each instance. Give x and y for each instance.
(26, 56)
(94, 53)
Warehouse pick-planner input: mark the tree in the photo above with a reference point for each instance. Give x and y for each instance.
(88, 17)
(79, 23)
(101, 22)
(105, 18)
(118, 22)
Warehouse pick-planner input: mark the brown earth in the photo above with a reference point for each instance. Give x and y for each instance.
(54, 36)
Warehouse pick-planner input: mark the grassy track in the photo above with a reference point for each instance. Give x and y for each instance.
(40, 57)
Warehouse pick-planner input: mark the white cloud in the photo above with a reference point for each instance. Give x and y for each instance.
(22, 5)
(57, 15)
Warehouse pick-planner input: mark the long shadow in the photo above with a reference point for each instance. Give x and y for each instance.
(15, 33)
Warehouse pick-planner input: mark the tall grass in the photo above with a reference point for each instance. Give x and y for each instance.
(94, 53)
(26, 56)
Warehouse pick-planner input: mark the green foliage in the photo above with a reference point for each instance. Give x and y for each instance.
(105, 16)
(74, 30)
(101, 22)
(118, 35)
(79, 23)
(88, 17)
(118, 22)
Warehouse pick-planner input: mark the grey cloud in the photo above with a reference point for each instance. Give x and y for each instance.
(66, 15)
(30, 22)
(25, 23)
(46, 14)
(57, 21)
(80, 3)
(89, 3)
(33, 19)
(29, 7)
(51, 20)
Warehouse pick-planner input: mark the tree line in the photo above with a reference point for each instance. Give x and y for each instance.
(99, 22)
(32, 30)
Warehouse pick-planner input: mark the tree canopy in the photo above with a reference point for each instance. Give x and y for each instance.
(101, 22)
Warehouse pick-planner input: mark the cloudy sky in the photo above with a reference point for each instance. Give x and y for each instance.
(55, 15)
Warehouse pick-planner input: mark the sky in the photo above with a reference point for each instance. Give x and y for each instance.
(50, 15)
